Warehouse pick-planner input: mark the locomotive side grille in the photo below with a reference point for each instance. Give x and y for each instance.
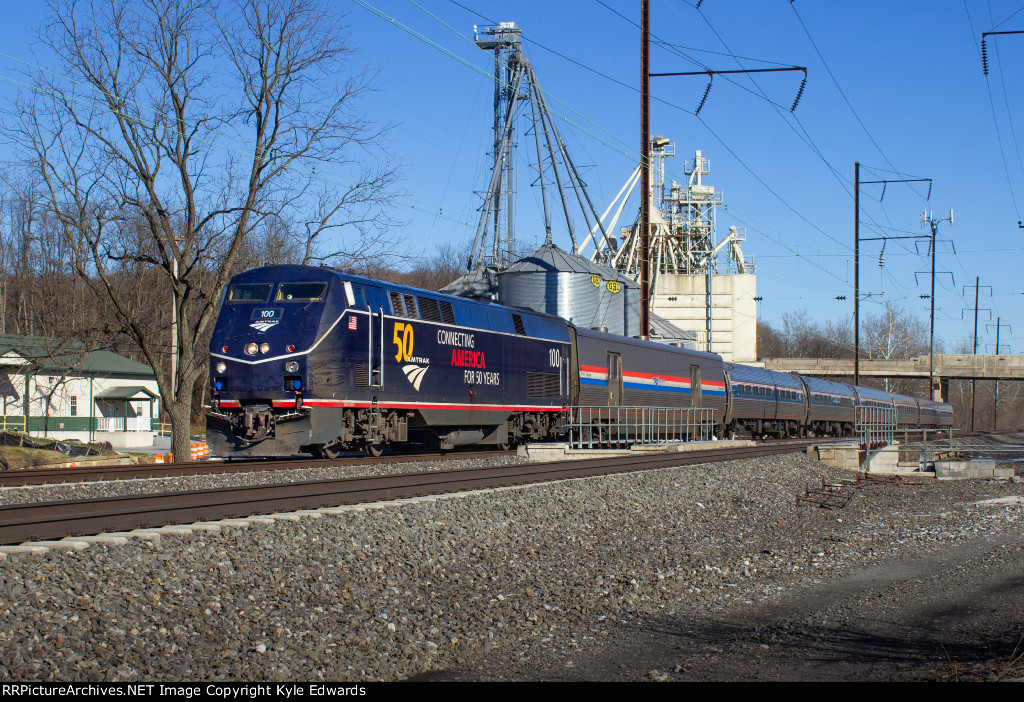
(396, 304)
(429, 309)
(542, 384)
(447, 315)
(410, 306)
(362, 377)
(517, 321)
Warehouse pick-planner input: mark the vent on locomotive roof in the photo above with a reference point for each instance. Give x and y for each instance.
(517, 321)
(410, 306)
(396, 304)
(447, 314)
(429, 309)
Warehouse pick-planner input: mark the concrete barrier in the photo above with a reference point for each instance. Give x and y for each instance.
(849, 456)
(562, 452)
(977, 470)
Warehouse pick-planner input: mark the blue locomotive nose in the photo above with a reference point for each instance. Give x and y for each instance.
(268, 324)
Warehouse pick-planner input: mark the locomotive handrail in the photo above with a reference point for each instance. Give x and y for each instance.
(369, 345)
(381, 308)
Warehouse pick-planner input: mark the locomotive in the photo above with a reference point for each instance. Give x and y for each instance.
(315, 360)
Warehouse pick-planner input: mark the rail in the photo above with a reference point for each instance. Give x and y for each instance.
(592, 427)
(56, 520)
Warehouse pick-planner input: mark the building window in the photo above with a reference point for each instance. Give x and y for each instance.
(74, 406)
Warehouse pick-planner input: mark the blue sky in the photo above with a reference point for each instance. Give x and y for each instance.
(900, 89)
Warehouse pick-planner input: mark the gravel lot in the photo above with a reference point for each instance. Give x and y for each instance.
(539, 582)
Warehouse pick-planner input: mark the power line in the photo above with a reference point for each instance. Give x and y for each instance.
(995, 119)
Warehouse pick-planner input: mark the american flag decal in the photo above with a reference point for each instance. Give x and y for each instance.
(352, 322)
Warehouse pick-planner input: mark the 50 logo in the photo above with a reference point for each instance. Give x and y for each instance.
(403, 341)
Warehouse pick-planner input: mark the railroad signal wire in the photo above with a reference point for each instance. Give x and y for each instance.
(607, 77)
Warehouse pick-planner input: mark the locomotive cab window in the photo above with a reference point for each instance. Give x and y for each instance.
(300, 292)
(250, 292)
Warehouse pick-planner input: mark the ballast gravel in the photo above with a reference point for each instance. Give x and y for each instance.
(516, 575)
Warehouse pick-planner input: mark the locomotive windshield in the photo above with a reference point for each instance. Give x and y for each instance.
(252, 292)
(300, 292)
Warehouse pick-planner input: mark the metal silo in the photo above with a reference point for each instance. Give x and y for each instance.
(552, 281)
(628, 302)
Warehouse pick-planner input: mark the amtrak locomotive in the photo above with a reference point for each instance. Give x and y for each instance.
(313, 360)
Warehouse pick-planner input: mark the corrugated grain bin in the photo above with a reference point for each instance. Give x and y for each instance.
(552, 281)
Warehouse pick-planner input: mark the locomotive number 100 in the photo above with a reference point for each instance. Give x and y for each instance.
(555, 358)
(403, 341)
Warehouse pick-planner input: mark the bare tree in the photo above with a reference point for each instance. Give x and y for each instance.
(802, 337)
(894, 332)
(174, 133)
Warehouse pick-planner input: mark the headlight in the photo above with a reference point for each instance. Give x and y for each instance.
(221, 367)
(292, 367)
(264, 347)
(251, 348)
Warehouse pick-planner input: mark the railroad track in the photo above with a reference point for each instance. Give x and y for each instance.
(56, 520)
(46, 476)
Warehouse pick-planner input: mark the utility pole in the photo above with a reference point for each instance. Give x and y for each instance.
(856, 272)
(975, 353)
(645, 169)
(974, 381)
(927, 218)
(995, 403)
(995, 400)
(856, 252)
(645, 146)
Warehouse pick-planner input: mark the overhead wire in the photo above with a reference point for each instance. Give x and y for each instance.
(870, 221)
(1006, 99)
(842, 180)
(995, 122)
(703, 122)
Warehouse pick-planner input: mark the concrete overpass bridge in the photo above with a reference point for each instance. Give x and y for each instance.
(947, 366)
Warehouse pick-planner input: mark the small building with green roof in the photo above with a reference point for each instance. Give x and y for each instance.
(62, 390)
